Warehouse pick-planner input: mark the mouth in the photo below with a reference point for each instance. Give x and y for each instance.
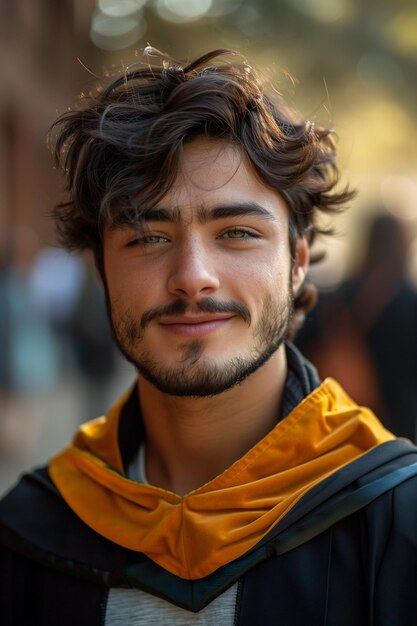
(195, 325)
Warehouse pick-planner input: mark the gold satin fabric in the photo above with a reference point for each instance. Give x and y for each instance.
(193, 535)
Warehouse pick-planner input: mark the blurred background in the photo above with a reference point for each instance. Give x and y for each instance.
(343, 63)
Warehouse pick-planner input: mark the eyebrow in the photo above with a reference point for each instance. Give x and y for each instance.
(236, 209)
(205, 214)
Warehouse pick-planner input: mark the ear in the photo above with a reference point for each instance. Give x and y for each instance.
(301, 263)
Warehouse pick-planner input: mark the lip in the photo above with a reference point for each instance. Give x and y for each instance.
(196, 325)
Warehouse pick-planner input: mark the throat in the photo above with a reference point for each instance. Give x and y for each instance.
(190, 441)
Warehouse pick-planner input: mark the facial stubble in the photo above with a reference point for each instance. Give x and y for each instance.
(194, 374)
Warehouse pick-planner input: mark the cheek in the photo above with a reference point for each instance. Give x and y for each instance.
(129, 286)
(267, 271)
(257, 282)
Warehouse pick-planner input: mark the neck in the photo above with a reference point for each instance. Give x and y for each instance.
(190, 441)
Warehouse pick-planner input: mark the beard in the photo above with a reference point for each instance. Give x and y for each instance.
(195, 374)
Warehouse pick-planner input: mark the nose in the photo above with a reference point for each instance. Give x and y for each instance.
(192, 273)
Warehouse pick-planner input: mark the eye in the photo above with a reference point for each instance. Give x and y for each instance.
(147, 240)
(239, 233)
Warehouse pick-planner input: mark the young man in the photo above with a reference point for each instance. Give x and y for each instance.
(229, 486)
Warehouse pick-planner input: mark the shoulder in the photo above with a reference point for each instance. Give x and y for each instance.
(404, 509)
(391, 518)
(30, 500)
(38, 526)
(392, 549)
(33, 514)
(33, 492)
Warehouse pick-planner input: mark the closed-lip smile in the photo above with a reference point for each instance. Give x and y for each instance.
(194, 325)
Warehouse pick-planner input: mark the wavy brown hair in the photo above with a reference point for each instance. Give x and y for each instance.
(121, 149)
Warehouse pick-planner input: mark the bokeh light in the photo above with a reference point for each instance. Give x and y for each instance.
(401, 32)
(120, 8)
(182, 10)
(116, 33)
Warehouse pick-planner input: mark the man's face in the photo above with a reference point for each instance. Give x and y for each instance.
(201, 295)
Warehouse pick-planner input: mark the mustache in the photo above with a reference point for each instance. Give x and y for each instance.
(205, 305)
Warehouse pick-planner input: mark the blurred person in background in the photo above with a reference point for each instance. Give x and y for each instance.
(365, 333)
(95, 353)
(55, 283)
(65, 292)
(230, 485)
(28, 352)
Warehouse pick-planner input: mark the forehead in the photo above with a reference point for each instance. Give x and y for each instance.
(211, 163)
(213, 172)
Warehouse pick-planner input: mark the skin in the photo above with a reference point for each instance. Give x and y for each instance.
(197, 296)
